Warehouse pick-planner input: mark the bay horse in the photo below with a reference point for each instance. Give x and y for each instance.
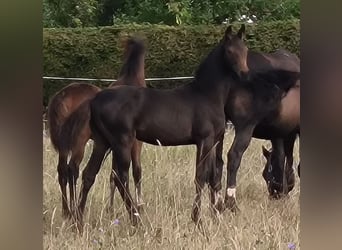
(282, 148)
(190, 114)
(68, 118)
(289, 114)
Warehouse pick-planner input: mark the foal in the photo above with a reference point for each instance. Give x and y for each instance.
(68, 117)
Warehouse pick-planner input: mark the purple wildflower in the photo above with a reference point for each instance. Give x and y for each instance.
(116, 222)
(291, 246)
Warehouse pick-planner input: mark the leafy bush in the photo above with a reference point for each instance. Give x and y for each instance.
(172, 51)
(86, 13)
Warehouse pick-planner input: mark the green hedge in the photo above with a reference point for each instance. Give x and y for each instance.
(172, 51)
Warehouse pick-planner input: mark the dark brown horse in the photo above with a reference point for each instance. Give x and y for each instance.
(190, 114)
(289, 114)
(68, 116)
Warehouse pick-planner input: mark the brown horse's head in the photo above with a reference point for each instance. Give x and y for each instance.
(273, 176)
(236, 51)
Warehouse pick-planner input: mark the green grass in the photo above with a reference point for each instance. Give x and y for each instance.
(168, 191)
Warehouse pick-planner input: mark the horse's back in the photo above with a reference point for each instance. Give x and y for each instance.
(64, 103)
(280, 59)
(72, 96)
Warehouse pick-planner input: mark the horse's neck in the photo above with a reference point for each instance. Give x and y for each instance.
(214, 90)
(136, 78)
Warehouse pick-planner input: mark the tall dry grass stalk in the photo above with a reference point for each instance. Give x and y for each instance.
(168, 192)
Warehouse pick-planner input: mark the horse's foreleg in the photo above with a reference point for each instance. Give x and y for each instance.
(288, 147)
(241, 141)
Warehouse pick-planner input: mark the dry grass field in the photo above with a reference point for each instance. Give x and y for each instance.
(168, 191)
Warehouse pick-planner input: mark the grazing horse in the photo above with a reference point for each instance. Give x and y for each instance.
(282, 148)
(68, 116)
(289, 113)
(190, 114)
(272, 161)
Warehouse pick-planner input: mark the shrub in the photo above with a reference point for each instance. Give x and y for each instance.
(172, 51)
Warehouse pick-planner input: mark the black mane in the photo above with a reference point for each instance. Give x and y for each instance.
(213, 68)
(278, 78)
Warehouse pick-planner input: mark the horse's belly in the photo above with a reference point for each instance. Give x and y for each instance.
(289, 112)
(172, 136)
(269, 132)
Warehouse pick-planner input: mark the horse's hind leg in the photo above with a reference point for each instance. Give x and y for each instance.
(88, 177)
(74, 164)
(136, 165)
(62, 169)
(112, 186)
(122, 151)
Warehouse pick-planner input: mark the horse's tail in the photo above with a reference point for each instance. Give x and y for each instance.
(55, 116)
(73, 127)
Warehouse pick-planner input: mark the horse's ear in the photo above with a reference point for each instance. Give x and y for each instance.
(265, 152)
(228, 33)
(242, 31)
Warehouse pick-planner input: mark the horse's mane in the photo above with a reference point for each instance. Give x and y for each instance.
(271, 85)
(282, 79)
(213, 68)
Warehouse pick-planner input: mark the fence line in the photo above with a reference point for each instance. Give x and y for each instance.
(114, 80)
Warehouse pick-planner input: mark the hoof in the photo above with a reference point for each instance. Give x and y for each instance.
(230, 203)
(135, 218)
(219, 206)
